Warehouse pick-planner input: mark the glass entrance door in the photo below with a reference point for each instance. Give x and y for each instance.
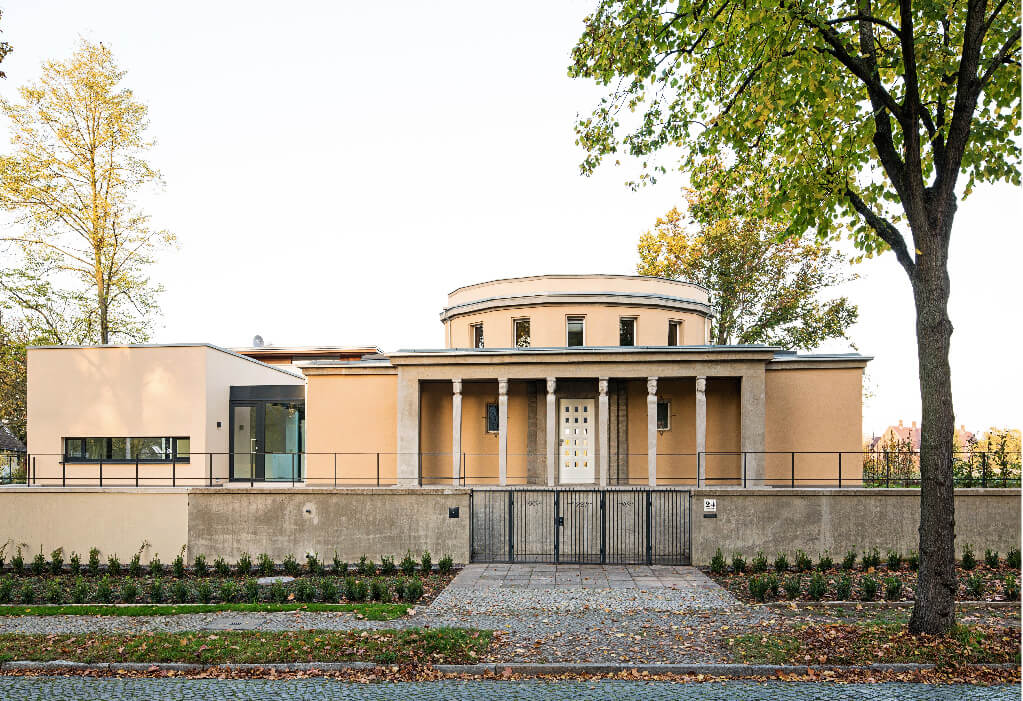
(267, 440)
(246, 459)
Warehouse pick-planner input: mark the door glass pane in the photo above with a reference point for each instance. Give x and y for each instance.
(244, 443)
(282, 429)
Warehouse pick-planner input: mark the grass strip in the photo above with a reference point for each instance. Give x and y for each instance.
(372, 612)
(867, 643)
(405, 647)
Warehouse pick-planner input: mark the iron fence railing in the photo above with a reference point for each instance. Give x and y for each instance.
(779, 469)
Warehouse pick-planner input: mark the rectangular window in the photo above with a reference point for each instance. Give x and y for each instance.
(493, 418)
(627, 331)
(126, 449)
(674, 333)
(520, 327)
(575, 331)
(663, 416)
(476, 335)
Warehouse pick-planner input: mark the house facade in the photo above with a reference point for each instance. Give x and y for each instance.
(545, 380)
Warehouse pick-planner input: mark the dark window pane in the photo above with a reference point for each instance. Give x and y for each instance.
(477, 335)
(148, 449)
(626, 332)
(522, 333)
(672, 333)
(575, 331)
(96, 449)
(493, 418)
(119, 449)
(662, 416)
(74, 448)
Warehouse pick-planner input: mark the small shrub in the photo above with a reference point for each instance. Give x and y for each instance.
(251, 591)
(265, 565)
(738, 563)
(38, 565)
(113, 566)
(759, 563)
(328, 590)
(57, 561)
(180, 591)
(349, 588)
(446, 564)
(155, 566)
(871, 559)
(818, 587)
(244, 565)
(408, 564)
(104, 591)
(278, 594)
(204, 592)
(200, 566)
(894, 560)
(803, 562)
(975, 585)
(340, 566)
(426, 563)
(892, 588)
(413, 590)
(366, 567)
(387, 566)
(228, 591)
(991, 558)
(913, 561)
(1010, 587)
(825, 563)
(312, 563)
(129, 591)
(849, 561)
(378, 591)
(221, 567)
(290, 565)
(305, 591)
(717, 563)
(6, 590)
(178, 566)
(1012, 558)
(74, 564)
(968, 561)
(28, 594)
(781, 563)
(80, 592)
(758, 588)
(773, 585)
(135, 565)
(793, 585)
(18, 563)
(868, 588)
(54, 592)
(156, 593)
(361, 591)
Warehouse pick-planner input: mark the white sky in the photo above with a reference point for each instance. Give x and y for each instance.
(335, 169)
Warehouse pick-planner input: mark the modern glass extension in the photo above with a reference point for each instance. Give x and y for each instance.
(267, 433)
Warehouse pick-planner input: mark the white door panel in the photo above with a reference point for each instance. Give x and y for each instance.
(576, 426)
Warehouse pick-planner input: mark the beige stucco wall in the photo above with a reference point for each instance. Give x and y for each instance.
(538, 284)
(355, 416)
(115, 521)
(814, 409)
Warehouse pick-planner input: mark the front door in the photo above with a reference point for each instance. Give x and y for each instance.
(577, 460)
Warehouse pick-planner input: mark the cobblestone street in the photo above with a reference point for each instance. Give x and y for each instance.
(86, 689)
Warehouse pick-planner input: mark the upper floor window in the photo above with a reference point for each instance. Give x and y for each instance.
(627, 331)
(675, 333)
(575, 331)
(663, 416)
(476, 335)
(520, 332)
(126, 449)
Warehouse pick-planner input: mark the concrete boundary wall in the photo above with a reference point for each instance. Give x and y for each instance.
(838, 520)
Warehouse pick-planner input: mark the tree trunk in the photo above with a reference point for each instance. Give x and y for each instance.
(934, 608)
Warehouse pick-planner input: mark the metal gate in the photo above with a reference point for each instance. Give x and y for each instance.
(597, 526)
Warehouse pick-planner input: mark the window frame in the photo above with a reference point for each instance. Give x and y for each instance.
(569, 318)
(472, 335)
(529, 332)
(635, 330)
(680, 327)
(174, 455)
(486, 417)
(667, 415)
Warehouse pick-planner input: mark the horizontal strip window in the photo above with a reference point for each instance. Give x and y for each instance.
(175, 449)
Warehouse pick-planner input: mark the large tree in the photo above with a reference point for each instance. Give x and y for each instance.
(78, 162)
(765, 288)
(870, 116)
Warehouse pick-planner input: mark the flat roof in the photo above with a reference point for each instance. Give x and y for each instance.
(585, 349)
(308, 349)
(569, 276)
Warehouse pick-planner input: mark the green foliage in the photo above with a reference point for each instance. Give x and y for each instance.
(74, 564)
(57, 561)
(228, 591)
(278, 594)
(803, 562)
(156, 592)
(379, 592)
(265, 565)
(913, 561)
(781, 563)
(413, 590)
(290, 566)
(426, 563)
(759, 563)
(244, 565)
(446, 564)
(251, 591)
(738, 563)
(871, 559)
(135, 565)
(328, 590)
(1010, 587)
(773, 584)
(305, 591)
(849, 561)
(975, 585)
(221, 567)
(113, 566)
(868, 588)
(204, 592)
(894, 560)
(991, 558)
(968, 561)
(340, 566)
(54, 592)
(6, 590)
(18, 563)
(104, 593)
(408, 564)
(758, 588)
(366, 567)
(129, 591)
(200, 566)
(312, 563)
(793, 585)
(180, 591)
(1012, 558)
(80, 592)
(27, 594)
(155, 566)
(355, 589)
(178, 566)
(818, 586)
(38, 564)
(717, 563)
(892, 588)
(825, 563)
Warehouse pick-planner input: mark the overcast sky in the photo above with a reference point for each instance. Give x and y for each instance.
(333, 170)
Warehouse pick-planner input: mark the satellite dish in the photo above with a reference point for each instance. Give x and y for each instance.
(257, 341)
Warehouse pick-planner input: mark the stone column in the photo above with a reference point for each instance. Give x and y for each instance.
(552, 432)
(651, 430)
(753, 436)
(701, 430)
(502, 431)
(604, 419)
(408, 430)
(456, 431)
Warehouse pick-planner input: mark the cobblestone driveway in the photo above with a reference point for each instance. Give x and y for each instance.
(85, 689)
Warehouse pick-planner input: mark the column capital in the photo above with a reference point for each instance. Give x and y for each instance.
(502, 386)
(701, 384)
(551, 385)
(602, 386)
(456, 386)
(651, 386)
